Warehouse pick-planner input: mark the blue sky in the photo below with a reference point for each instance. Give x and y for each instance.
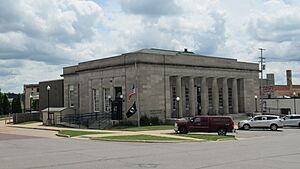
(39, 38)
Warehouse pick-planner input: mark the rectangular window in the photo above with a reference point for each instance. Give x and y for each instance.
(187, 99)
(220, 97)
(230, 97)
(96, 100)
(106, 105)
(210, 98)
(173, 97)
(71, 96)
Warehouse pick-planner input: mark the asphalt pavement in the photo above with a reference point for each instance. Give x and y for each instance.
(256, 149)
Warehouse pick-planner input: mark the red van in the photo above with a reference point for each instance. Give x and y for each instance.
(219, 124)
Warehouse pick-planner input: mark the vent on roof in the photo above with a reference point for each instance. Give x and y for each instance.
(185, 50)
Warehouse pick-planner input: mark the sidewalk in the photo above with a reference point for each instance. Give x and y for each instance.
(161, 133)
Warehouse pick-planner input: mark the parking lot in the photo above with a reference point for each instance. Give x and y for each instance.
(27, 149)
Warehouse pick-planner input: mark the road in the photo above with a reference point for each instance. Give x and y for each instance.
(33, 149)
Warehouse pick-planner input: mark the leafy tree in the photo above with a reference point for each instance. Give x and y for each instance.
(1, 103)
(16, 105)
(5, 104)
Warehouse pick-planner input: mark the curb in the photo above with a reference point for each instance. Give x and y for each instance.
(35, 128)
(142, 141)
(62, 135)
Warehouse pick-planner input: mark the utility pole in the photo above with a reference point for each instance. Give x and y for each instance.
(262, 67)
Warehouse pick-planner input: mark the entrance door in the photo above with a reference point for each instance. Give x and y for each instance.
(116, 110)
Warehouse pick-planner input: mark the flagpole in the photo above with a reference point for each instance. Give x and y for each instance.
(137, 94)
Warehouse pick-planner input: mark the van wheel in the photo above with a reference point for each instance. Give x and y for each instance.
(273, 127)
(299, 125)
(183, 130)
(222, 132)
(246, 127)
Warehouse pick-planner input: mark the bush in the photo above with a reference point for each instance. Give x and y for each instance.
(146, 121)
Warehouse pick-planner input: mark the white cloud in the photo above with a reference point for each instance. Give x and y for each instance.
(38, 38)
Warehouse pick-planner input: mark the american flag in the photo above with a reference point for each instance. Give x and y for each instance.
(132, 93)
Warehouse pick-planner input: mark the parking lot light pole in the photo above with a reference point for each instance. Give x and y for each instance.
(294, 94)
(177, 101)
(30, 100)
(48, 90)
(255, 97)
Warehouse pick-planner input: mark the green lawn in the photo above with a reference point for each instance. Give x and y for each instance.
(74, 133)
(143, 128)
(140, 137)
(208, 137)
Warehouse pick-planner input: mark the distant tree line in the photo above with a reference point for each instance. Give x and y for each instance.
(6, 107)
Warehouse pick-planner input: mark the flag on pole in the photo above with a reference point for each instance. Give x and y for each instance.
(132, 110)
(132, 93)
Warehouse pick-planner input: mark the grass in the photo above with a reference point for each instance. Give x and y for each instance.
(208, 137)
(29, 122)
(140, 137)
(74, 133)
(143, 128)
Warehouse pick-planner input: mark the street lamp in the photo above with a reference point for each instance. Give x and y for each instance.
(48, 90)
(177, 101)
(121, 96)
(255, 97)
(294, 94)
(30, 98)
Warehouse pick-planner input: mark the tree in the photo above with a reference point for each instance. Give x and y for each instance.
(16, 105)
(1, 103)
(5, 104)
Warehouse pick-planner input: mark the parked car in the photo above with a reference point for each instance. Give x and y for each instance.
(262, 121)
(291, 121)
(219, 124)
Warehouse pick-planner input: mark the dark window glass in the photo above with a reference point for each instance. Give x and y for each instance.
(219, 119)
(271, 118)
(258, 118)
(295, 117)
(202, 119)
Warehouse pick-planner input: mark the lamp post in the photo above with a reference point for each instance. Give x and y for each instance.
(177, 101)
(109, 100)
(294, 94)
(48, 91)
(30, 98)
(255, 97)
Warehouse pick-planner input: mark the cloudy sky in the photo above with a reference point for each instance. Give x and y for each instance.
(40, 37)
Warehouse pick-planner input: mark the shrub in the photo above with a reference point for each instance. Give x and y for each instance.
(146, 121)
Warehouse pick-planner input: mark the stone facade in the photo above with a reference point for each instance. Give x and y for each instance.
(160, 76)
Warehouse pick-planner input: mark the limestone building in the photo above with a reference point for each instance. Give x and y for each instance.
(203, 84)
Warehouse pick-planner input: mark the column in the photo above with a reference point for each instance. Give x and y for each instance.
(192, 96)
(204, 96)
(168, 97)
(215, 95)
(225, 96)
(235, 96)
(178, 94)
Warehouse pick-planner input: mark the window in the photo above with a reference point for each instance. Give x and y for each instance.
(187, 99)
(220, 97)
(294, 117)
(173, 97)
(96, 100)
(217, 119)
(106, 93)
(230, 97)
(71, 96)
(258, 118)
(271, 118)
(201, 120)
(210, 97)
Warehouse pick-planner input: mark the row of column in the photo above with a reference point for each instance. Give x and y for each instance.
(204, 95)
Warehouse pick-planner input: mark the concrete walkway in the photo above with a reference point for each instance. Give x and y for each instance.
(160, 133)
